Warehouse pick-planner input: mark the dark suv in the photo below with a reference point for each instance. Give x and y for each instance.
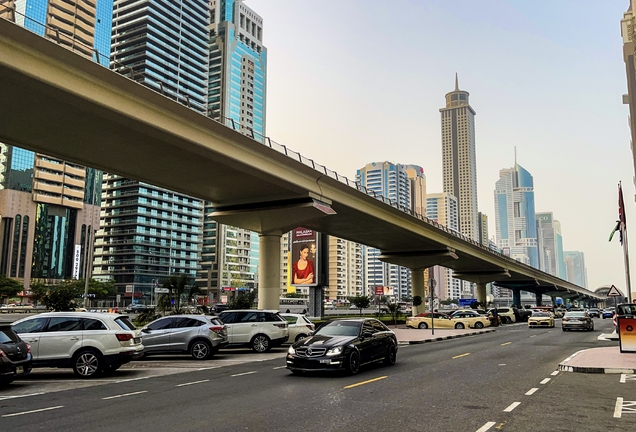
(15, 355)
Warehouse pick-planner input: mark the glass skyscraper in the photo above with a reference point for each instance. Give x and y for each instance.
(515, 217)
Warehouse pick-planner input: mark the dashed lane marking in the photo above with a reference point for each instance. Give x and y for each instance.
(366, 382)
(545, 381)
(279, 367)
(461, 355)
(555, 373)
(618, 408)
(20, 396)
(125, 394)
(533, 336)
(244, 373)
(191, 383)
(33, 411)
(531, 391)
(512, 406)
(485, 427)
(507, 343)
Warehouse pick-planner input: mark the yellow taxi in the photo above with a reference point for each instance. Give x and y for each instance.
(439, 320)
(540, 319)
(472, 317)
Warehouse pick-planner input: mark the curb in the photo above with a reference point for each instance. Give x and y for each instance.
(563, 367)
(441, 338)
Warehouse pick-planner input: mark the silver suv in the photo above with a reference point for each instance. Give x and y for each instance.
(199, 335)
(259, 329)
(85, 341)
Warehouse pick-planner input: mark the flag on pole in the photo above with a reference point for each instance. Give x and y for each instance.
(621, 223)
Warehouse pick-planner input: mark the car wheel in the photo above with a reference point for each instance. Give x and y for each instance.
(201, 350)
(459, 326)
(87, 363)
(592, 327)
(260, 343)
(353, 365)
(563, 328)
(391, 356)
(422, 325)
(299, 337)
(479, 325)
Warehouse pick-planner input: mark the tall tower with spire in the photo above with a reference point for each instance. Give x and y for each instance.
(459, 159)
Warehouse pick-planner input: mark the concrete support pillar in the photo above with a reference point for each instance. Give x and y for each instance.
(554, 303)
(481, 294)
(516, 297)
(539, 299)
(269, 271)
(418, 289)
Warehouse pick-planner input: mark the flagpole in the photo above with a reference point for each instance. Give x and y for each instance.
(626, 255)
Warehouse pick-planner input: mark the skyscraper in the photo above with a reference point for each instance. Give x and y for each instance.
(391, 181)
(148, 232)
(236, 97)
(442, 208)
(515, 215)
(459, 159)
(550, 245)
(575, 268)
(628, 32)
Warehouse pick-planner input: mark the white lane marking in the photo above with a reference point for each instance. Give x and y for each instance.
(280, 367)
(502, 364)
(555, 373)
(531, 391)
(623, 377)
(244, 373)
(628, 377)
(33, 411)
(512, 406)
(545, 381)
(20, 396)
(618, 408)
(135, 379)
(627, 407)
(485, 427)
(208, 368)
(190, 383)
(125, 394)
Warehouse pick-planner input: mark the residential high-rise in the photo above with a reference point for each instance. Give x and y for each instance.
(442, 208)
(418, 188)
(628, 32)
(482, 229)
(550, 245)
(165, 43)
(83, 26)
(149, 232)
(575, 268)
(459, 158)
(515, 215)
(391, 181)
(345, 270)
(236, 97)
(50, 207)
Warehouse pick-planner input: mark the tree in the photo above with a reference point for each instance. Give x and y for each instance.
(361, 302)
(63, 296)
(294, 295)
(38, 291)
(243, 301)
(394, 310)
(178, 286)
(9, 287)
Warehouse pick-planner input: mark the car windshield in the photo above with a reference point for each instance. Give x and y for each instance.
(540, 314)
(340, 328)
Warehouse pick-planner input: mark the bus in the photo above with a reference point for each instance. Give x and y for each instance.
(293, 305)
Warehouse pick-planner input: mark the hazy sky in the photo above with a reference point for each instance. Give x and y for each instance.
(351, 82)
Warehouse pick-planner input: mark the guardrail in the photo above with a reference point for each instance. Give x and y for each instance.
(22, 310)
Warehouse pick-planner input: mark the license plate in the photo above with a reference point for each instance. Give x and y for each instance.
(575, 321)
(19, 370)
(325, 361)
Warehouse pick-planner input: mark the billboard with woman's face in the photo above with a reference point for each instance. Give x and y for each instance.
(304, 257)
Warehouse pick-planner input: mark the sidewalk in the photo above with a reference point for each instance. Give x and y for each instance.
(407, 336)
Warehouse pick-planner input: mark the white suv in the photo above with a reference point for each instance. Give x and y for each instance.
(87, 342)
(259, 329)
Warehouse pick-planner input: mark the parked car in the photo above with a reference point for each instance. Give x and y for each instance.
(15, 355)
(344, 344)
(201, 336)
(85, 341)
(541, 319)
(258, 329)
(577, 320)
(219, 307)
(439, 320)
(299, 326)
(607, 313)
(506, 315)
(135, 308)
(594, 312)
(472, 317)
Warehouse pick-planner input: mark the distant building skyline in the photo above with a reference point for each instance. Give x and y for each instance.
(575, 267)
(550, 245)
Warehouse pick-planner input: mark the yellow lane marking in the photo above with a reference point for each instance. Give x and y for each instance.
(507, 343)
(461, 355)
(365, 382)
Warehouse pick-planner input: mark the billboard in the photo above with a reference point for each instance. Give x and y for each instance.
(304, 257)
(383, 291)
(77, 256)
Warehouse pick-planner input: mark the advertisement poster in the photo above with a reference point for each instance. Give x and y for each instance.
(77, 256)
(304, 257)
(626, 328)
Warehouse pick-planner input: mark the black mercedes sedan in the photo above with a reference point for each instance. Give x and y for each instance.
(344, 344)
(15, 355)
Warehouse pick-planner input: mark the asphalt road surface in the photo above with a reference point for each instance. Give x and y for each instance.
(501, 381)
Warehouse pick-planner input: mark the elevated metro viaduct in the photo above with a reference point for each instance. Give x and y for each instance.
(59, 103)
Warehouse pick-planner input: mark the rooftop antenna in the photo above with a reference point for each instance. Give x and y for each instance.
(456, 82)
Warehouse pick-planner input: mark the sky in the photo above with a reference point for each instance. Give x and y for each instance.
(351, 82)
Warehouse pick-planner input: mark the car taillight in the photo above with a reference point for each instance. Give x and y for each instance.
(564, 319)
(122, 337)
(310, 326)
(216, 328)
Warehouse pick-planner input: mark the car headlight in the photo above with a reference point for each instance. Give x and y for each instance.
(335, 351)
(291, 350)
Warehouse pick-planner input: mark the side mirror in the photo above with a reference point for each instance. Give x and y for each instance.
(367, 335)
(145, 330)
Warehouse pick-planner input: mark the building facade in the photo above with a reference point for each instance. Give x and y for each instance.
(459, 158)
(515, 218)
(550, 245)
(575, 268)
(345, 270)
(628, 33)
(391, 181)
(443, 209)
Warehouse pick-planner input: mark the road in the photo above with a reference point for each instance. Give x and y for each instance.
(500, 381)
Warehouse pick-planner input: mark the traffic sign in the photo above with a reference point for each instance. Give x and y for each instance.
(162, 290)
(614, 292)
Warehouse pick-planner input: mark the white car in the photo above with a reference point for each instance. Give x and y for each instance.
(299, 326)
(87, 342)
(256, 328)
